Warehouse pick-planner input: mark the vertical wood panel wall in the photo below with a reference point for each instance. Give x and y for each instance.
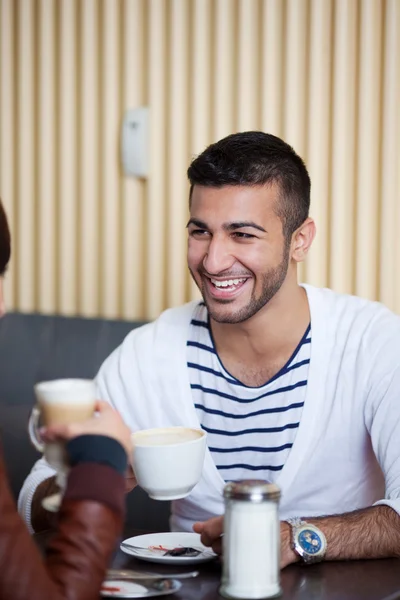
(322, 74)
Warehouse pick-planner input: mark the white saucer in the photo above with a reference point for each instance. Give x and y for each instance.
(167, 540)
(131, 589)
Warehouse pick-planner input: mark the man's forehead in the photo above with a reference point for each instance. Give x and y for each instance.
(270, 189)
(238, 200)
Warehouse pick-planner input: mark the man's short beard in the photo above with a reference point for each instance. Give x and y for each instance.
(272, 282)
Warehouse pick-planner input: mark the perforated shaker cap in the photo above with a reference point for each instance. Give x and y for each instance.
(254, 490)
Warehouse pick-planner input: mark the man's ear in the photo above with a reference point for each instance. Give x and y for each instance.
(302, 239)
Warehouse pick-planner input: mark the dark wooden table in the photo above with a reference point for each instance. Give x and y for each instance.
(353, 580)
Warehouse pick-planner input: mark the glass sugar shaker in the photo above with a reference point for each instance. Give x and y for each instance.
(251, 541)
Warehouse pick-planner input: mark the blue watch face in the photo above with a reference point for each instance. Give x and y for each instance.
(310, 541)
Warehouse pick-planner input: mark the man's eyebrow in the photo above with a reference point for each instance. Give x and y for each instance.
(227, 226)
(241, 224)
(197, 223)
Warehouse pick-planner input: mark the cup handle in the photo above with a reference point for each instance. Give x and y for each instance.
(33, 427)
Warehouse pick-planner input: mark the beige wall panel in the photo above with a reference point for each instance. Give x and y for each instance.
(389, 280)
(397, 248)
(7, 137)
(296, 79)
(155, 272)
(46, 153)
(343, 167)
(390, 152)
(26, 201)
(67, 161)
(200, 76)
(110, 247)
(201, 91)
(394, 12)
(177, 152)
(133, 189)
(88, 159)
(224, 43)
(318, 143)
(272, 62)
(368, 163)
(296, 75)
(248, 66)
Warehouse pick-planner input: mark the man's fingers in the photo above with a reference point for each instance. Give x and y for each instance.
(210, 531)
(102, 406)
(56, 432)
(198, 527)
(217, 546)
(206, 538)
(130, 479)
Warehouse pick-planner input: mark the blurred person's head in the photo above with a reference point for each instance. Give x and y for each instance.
(249, 224)
(5, 252)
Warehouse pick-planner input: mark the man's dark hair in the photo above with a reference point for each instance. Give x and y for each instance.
(5, 241)
(255, 158)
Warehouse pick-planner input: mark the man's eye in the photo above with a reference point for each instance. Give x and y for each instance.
(198, 232)
(242, 235)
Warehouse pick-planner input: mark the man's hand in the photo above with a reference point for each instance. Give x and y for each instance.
(288, 556)
(105, 422)
(130, 479)
(211, 533)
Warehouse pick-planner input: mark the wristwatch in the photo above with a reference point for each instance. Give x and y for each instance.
(307, 541)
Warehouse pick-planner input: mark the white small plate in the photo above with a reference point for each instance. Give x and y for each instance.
(131, 589)
(148, 548)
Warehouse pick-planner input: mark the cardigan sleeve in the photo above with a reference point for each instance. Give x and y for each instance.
(41, 471)
(382, 413)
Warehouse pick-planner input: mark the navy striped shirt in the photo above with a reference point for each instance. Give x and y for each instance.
(250, 429)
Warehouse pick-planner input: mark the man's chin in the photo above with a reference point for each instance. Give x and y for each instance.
(231, 311)
(226, 310)
(224, 313)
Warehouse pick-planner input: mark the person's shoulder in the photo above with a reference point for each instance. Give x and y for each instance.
(171, 322)
(178, 315)
(372, 317)
(165, 336)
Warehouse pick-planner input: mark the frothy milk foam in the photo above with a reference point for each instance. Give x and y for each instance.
(65, 401)
(166, 437)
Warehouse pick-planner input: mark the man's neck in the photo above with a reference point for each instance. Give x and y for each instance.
(271, 333)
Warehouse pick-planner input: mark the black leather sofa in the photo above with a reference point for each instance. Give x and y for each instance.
(35, 348)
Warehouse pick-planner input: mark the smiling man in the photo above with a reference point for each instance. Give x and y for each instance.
(295, 385)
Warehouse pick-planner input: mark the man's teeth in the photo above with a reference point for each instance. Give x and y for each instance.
(227, 282)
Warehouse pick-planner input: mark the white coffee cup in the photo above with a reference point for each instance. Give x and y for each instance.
(168, 462)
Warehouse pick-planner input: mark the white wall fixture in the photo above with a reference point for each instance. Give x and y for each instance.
(135, 142)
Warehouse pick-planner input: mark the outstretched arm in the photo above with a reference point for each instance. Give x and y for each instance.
(369, 533)
(90, 517)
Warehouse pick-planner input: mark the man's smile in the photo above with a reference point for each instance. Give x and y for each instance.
(226, 288)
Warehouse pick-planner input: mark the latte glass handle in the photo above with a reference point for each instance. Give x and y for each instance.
(33, 427)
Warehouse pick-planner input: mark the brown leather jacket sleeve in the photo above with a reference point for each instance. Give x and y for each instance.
(80, 550)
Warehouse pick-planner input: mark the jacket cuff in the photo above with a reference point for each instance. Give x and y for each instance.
(101, 483)
(97, 449)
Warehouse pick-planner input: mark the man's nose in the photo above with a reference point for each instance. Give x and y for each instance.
(218, 257)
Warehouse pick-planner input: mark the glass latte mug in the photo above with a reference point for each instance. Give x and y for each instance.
(59, 402)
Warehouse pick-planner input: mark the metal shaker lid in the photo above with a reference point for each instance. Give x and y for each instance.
(254, 490)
